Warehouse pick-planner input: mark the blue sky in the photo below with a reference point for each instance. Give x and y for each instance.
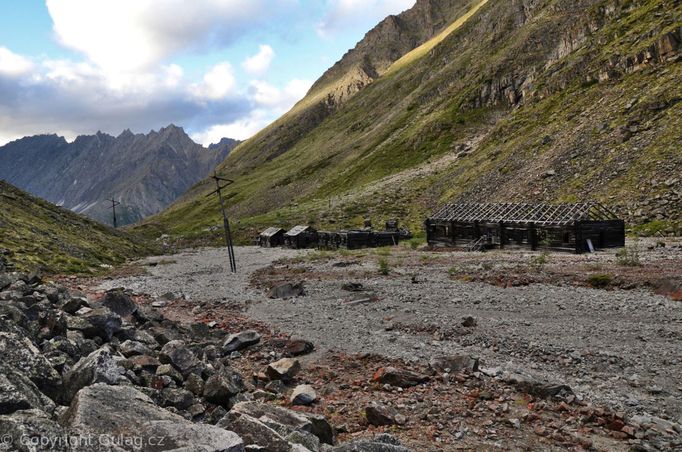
(216, 67)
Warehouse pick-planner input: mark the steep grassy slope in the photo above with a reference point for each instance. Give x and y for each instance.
(35, 234)
(547, 100)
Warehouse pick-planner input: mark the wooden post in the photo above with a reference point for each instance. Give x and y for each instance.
(226, 222)
(578, 238)
(533, 237)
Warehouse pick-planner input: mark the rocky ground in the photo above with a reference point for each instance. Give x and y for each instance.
(528, 321)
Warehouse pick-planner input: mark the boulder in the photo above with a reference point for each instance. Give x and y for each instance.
(175, 397)
(144, 362)
(73, 304)
(380, 443)
(98, 367)
(176, 353)
(222, 386)
(32, 431)
(167, 369)
(303, 395)
(285, 369)
(398, 377)
(254, 432)
(287, 290)
(320, 427)
(454, 363)
(194, 384)
(307, 440)
(240, 341)
(131, 348)
(378, 415)
(17, 392)
(122, 411)
(298, 347)
(104, 323)
(119, 302)
(20, 354)
(285, 421)
(537, 388)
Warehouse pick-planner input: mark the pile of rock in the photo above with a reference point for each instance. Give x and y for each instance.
(114, 375)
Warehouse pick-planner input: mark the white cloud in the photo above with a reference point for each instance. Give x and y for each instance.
(131, 35)
(271, 102)
(240, 130)
(280, 101)
(219, 82)
(13, 65)
(259, 63)
(344, 14)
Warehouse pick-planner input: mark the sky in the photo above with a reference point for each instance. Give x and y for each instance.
(218, 68)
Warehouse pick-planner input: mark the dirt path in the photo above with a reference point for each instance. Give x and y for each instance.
(620, 348)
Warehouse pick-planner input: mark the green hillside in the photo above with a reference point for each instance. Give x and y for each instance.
(37, 235)
(543, 101)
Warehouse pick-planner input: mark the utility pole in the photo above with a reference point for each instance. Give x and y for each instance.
(221, 183)
(114, 203)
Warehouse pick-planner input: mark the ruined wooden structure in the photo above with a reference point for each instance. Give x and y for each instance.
(301, 237)
(271, 237)
(354, 239)
(570, 227)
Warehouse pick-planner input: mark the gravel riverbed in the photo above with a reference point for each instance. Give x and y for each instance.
(617, 347)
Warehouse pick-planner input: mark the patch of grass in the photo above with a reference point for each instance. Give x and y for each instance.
(600, 280)
(538, 262)
(384, 268)
(629, 256)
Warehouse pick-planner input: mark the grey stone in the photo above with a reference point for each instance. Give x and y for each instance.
(241, 340)
(303, 395)
(104, 322)
(455, 363)
(378, 415)
(253, 431)
(287, 290)
(17, 392)
(22, 355)
(119, 410)
(176, 353)
(131, 348)
(119, 302)
(98, 367)
(222, 386)
(285, 369)
(33, 431)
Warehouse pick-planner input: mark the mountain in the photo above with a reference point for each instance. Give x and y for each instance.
(145, 173)
(493, 100)
(35, 234)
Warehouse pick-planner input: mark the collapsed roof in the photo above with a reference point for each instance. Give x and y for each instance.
(541, 213)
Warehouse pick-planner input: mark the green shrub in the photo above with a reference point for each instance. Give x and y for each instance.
(600, 280)
(628, 256)
(383, 267)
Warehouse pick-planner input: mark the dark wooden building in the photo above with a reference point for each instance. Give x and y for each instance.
(571, 227)
(271, 237)
(301, 237)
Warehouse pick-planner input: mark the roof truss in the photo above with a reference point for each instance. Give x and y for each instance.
(539, 213)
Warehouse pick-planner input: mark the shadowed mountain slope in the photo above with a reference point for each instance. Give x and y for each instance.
(35, 234)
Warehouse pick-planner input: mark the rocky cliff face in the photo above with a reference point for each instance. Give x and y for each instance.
(144, 172)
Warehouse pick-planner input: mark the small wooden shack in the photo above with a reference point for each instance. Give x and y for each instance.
(301, 237)
(271, 237)
(571, 227)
